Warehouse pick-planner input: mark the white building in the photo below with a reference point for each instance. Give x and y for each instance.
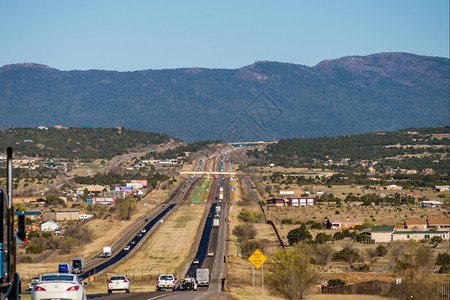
(49, 226)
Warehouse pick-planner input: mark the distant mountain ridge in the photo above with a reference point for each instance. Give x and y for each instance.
(349, 95)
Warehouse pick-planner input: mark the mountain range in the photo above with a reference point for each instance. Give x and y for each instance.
(263, 101)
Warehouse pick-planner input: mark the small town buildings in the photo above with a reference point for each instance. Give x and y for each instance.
(91, 189)
(430, 203)
(417, 224)
(391, 187)
(382, 234)
(277, 202)
(302, 201)
(417, 235)
(441, 188)
(343, 223)
(60, 215)
(439, 223)
(49, 226)
(21, 200)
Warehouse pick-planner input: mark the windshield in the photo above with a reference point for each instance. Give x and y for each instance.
(76, 263)
(57, 277)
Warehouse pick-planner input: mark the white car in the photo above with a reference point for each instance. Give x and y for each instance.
(165, 282)
(33, 282)
(126, 248)
(210, 253)
(118, 283)
(58, 286)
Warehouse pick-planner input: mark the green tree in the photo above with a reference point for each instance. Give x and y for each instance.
(290, 272)
(126, 208)
(299, 235)
(442, 260)
(68, 244)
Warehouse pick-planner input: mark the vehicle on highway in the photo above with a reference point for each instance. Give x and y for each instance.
(126, 248)
(118, 283)
(188, 284)
(107, 251)
(209, 215)
(139, 234)
(78, 265)
(166, 281)
(195, 261)
(144, 230)
(163, 206)
(146, 220)
(33, 282)
(202, 277)
(133, 242)
(210, 253)
(63, 268)
(58, 286)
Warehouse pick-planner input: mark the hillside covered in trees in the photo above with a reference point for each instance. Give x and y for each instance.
(77, 143)
(412, 149)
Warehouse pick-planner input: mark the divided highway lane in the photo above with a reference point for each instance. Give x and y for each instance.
(133, 231)
(122, 253)
(203, 246)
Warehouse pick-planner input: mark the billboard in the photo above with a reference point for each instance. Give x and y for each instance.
(103, 200)
(143, 182)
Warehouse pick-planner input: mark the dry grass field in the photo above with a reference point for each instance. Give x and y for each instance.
(240, 269)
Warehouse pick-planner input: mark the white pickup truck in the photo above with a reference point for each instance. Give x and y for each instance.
(166, 281)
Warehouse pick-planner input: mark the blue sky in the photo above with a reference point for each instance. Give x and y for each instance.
(144, 34)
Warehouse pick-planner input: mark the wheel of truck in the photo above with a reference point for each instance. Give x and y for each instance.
(109, 291)
(128, 291)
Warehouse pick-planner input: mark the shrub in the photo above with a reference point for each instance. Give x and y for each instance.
(338, 236)
(322, 238)
(286, 221)
(336, 282)
(346, 254)
(381, 251)
(316, 225)
(32, 249)
(361, 237)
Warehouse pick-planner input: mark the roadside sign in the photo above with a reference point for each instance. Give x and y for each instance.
(257, 258)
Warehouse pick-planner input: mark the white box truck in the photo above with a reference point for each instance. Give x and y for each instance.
(202, 277)
(107, 251)
(216, 222)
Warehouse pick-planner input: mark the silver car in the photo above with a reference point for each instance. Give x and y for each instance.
(118, 283)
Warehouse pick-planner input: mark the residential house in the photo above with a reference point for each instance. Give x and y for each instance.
(49, 226)
(391, 187)
(439, 223)
(343, 223)
(62, 215)
(17, 200)
(382, 234)
(441, 188)
(277, 202)
(418, 235)
(302, 201)
(428, 203)
(417, 224)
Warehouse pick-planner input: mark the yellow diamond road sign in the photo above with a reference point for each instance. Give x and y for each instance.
(257, 258)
